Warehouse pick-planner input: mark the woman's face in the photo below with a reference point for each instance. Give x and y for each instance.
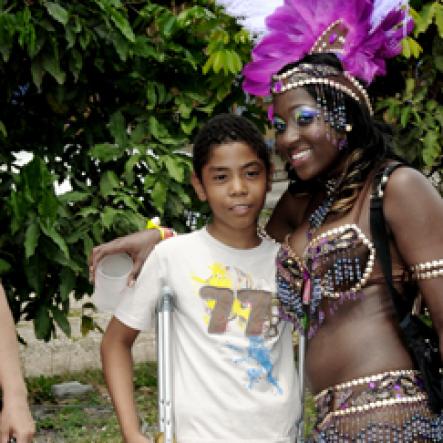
(302, 136)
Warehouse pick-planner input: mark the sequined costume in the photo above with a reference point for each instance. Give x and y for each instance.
(388, 407)
(335, 267)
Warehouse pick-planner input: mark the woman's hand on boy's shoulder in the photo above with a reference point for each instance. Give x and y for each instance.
(137, 245)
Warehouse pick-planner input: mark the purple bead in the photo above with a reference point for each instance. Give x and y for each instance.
(333, 37)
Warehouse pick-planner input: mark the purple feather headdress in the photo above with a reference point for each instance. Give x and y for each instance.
(364, 34)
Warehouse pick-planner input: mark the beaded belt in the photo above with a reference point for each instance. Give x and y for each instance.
(368, 393)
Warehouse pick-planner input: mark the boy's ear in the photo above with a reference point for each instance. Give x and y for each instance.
(269, 178)
(198, 187)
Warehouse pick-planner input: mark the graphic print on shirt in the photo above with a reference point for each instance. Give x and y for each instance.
(257, 354)
(236, 306)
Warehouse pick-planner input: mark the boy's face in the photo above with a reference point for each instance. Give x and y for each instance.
(234, 182)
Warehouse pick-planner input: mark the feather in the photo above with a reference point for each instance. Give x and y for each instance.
(374, 30)
(382, 8)
(251, 14)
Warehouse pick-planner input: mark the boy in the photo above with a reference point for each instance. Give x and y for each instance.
(234, 375)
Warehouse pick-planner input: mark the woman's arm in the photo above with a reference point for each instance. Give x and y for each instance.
(414, 212)
(137, 245)
(117, 368)
(140, 244)
(16, 420)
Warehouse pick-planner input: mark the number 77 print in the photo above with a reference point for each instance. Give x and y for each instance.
(259, 302)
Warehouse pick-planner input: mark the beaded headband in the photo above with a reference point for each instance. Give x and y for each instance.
(323, 75)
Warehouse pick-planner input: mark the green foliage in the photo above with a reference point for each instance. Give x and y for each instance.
(412, 97)
(108, 95)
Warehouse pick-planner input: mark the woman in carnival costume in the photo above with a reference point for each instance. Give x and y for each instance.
(362, 375)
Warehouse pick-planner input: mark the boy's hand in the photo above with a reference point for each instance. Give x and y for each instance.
(16, 421)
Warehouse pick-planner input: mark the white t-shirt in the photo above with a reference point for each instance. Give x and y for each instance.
(234, 374)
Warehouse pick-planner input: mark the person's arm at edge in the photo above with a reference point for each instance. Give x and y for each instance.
(16, 419)
(118, 371)
(414, 212)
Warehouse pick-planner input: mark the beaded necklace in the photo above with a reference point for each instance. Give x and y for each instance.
(312, 290)
(318, 216)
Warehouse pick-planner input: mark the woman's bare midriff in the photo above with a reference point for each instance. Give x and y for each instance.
(360, 339)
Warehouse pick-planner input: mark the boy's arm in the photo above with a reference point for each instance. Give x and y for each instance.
(117, 368)
(16, 420)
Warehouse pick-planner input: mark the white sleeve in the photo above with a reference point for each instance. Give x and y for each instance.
(137, 307)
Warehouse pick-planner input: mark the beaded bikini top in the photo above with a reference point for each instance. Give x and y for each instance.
(334, 266)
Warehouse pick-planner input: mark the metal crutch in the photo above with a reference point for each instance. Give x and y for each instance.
(302, 344)
(165, 307)
(301, 371)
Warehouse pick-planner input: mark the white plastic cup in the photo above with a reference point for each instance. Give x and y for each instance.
(111, 280)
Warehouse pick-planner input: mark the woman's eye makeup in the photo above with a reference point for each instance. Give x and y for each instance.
(279, 124)
(305, 115)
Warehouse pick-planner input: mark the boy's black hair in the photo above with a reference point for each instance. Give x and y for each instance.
(225, 128)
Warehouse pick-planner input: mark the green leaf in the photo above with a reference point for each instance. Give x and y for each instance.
(31, 239)
(67, 283)
(143, 48)
(61, 320)
(88, 244)
(123, 25)
(431, 151)
(439, 18)
(174, 167)
(56, 237)
(85, 212)
(37, 72)
(219, 61)
(158, 196)
(74, 197)
(138, 134)
(52, 65)
(5, 267)
(48, 205)
(108, 216)
(188, 127)
(167, 23)
(105, 152)
(117, 128)
(43, 323)
(151, 96)
(121, 46)
(108, 183)
(57, 12)
(423, 19)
